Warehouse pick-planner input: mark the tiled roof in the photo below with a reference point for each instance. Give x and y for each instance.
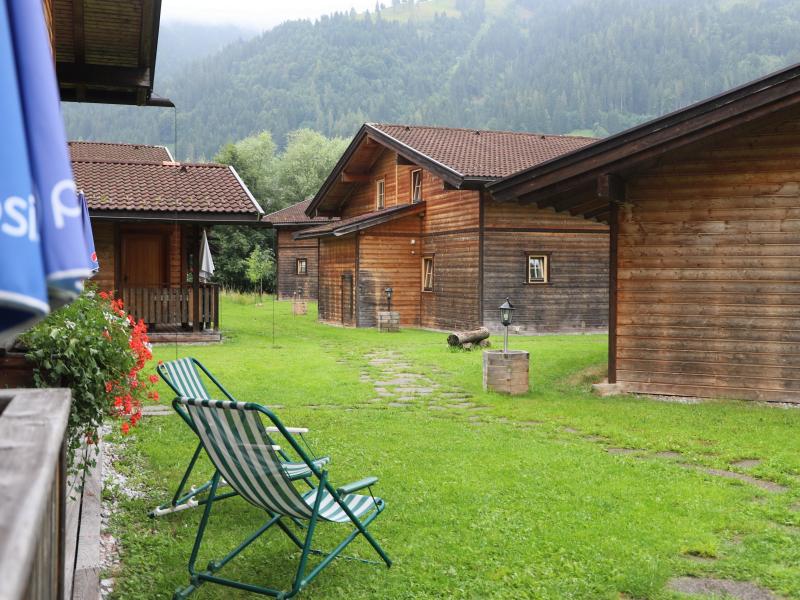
(370, 219)
(117, 152)
(163, 187)
(294, 215)
(480, 153)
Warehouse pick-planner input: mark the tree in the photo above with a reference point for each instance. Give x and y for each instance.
(308, 159)
(260, 266)
(254, 161)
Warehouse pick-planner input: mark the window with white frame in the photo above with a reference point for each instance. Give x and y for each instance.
(416, 185)
(538, 268)
(427, 274)
(380, 194)
(302, 266)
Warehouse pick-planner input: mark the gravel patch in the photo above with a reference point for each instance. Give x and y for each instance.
(747, 463)
(728, 588)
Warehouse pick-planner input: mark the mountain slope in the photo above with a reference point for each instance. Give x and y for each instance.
(535, 65)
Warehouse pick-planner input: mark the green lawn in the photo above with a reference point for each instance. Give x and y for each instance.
(520, 499)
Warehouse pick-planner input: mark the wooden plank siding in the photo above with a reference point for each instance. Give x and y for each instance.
(708, 275)
(337, 262)
(107, 240)
(288, 251)
(576, 297)
(388, 258)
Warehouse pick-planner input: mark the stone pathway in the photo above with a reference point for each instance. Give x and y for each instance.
(728, 588)
(399, 386)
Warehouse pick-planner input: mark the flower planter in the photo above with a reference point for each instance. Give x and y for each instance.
(389, 320)
(15, 371)
(506, 372)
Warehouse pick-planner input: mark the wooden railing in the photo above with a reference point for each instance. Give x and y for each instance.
(174, 305)
(33, 502)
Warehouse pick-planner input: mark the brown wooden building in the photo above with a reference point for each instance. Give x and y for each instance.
(415, 216)
(147, 214)
(297, 272)
(704, 209)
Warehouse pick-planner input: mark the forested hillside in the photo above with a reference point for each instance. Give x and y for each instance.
(536, 65)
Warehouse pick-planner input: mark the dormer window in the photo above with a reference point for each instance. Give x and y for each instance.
(380, 194)
(416, 186)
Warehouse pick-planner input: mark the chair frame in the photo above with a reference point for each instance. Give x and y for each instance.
(303, 576)
(184, 499)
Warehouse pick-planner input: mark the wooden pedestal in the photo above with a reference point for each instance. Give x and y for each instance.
(299, 307)
(389, 320)
(506, 372)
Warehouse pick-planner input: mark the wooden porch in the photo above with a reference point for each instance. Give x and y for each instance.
(186, 313)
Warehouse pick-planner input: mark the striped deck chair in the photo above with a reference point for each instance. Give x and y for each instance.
(236, 441)
(183, 377)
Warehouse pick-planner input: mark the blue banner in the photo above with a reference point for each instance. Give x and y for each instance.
(23, 294)
(59, 212)
(87, 233)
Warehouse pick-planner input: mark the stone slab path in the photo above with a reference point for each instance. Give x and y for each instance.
(725, 588)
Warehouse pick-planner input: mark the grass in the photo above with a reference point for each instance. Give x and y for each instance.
(518, 504)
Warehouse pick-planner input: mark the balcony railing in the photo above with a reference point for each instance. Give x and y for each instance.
(33, 557)
(174, 305)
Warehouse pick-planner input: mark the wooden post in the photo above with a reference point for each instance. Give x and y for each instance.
(216, 308)
(613, 221)
(196, 279)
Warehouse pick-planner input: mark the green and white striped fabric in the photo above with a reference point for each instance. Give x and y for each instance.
(235, 440)
(182, 376)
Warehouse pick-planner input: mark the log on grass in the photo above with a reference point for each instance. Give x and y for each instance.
(459, 338)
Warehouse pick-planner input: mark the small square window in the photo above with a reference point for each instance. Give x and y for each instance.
(380, 195)
(302, 266)
(416, 185)
(538, 268)
(427, 274)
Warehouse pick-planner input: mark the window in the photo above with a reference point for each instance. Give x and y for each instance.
(302, 266)
(427, 274)
(380, 196)
(416, 185)
(538, 268)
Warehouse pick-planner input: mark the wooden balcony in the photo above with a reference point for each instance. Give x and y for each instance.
(182, 313)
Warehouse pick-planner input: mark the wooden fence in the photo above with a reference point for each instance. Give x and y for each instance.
(173, 305)
(33, 503)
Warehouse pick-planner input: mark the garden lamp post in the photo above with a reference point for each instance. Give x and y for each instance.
(388, 291)
(506, 309)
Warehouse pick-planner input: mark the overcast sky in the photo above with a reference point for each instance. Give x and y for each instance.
(255, 14)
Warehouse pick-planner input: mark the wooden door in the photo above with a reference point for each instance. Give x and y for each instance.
(347, 298)
(144, 257)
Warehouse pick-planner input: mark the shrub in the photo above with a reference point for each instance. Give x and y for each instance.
(93, 347)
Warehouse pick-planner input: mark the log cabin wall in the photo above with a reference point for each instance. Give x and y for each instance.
(337, 266)
(450, 235)
(289, 251)
(707, 282)
(108, 239)
(575, 298)
(397, 186)
(389, 257)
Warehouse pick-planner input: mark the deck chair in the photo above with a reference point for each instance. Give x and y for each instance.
(235, 439)
(183, 377)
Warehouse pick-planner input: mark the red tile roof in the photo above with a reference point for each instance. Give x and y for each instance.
(482, 153)
(294, 215)
(163, 187)
(117, 152)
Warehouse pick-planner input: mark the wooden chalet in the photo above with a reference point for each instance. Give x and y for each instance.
(297, 260)
(415, 216)
(704, 210)
(147, 214)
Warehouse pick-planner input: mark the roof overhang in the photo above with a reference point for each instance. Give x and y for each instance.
(584, 181)
(371, 140)
(176, 217)
(355, 224)
(105, 50)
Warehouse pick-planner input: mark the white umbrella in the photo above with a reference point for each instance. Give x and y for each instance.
(207, 262)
